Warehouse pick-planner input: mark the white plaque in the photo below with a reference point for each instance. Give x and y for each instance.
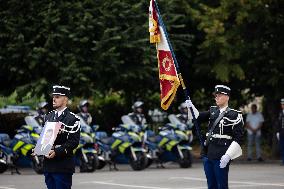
(47, 138)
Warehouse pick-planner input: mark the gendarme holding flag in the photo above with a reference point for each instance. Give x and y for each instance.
(223, 138)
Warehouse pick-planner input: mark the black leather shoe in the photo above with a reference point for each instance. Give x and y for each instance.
(260, 159)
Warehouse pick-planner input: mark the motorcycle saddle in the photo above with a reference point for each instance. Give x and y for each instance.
(152, 139)
(107, 140)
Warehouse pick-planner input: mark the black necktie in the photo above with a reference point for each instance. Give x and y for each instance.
(217, 113)
(56, 116)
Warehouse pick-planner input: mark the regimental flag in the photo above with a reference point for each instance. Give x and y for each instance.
(169, 81)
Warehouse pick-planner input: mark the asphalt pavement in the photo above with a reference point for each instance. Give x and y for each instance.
(242, 175)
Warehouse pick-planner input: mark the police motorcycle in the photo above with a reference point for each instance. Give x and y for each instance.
(19, 149)
(86, 152)
(124, 146)
(183, 118)
(137, 119)
(3, 157)
(34, 129)
(171, 144)
(3, 162)
(185, 127)
(8, 156)
(102, 161)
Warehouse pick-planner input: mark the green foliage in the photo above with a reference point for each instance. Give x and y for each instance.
(102, 47)
(108, 109)
(15, 99)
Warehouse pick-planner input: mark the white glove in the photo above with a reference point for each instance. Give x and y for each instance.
(195, 111)
(224, 161)
(277, 135)
(188, 103)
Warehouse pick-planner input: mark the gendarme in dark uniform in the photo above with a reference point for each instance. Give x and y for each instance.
(137, 115)
(223, 138)
(84, 114)
(59, 166)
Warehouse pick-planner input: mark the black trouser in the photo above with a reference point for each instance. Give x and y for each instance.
(58, 180)
(217, 178)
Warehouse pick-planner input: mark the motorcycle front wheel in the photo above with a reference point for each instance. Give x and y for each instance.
(141, 161)
(101, 164)
(38, 164)
(90, 165)
(186, 161)
(3, 166)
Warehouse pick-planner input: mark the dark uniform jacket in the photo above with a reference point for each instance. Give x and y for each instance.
(183, 118)
(280, 128)
(65, 143)
(40, 118)
(87, 117)
(138, 119)
(228, 129)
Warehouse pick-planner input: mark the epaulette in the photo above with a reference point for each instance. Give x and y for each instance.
(238, 111)
(75, 115)
(234, 113)
(213, 108)
(50, 112)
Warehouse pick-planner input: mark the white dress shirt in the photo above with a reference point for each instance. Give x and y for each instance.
(60, 111)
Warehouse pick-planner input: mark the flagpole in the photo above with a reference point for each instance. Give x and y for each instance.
(186, 92)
